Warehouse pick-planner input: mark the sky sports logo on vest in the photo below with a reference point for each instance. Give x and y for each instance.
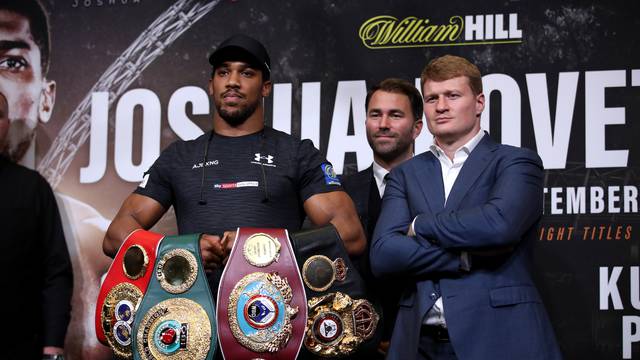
(386, 31)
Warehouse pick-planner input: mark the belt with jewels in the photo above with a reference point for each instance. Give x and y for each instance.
(176, 319)
(262, 307)
(341, 320)
(122, 290)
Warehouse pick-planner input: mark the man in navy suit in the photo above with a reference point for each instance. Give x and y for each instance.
(459, 220)
(394, 121)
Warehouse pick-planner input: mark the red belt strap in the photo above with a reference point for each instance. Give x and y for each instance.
(125, 285)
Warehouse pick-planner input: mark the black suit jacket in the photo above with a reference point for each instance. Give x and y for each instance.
(363, 190)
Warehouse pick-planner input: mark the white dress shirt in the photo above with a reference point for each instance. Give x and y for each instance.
(450, 171)
(378, 174)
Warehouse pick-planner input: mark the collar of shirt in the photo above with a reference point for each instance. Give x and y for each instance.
(460, 155)
(378, 174)
(451, 169)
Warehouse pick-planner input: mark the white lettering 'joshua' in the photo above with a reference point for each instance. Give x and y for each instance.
(282, 107)
(98, 146)
(310, 113)
(123, 148)
(178, 119)
(552, 141)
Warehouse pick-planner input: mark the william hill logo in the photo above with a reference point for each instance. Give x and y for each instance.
(385, 31)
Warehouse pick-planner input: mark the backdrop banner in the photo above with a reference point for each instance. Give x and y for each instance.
(562, 78)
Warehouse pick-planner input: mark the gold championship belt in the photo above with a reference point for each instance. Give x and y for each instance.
(176, 317)
(123, 289)
(341, 320)
(261, 304)
(337, 324)
(319, 272)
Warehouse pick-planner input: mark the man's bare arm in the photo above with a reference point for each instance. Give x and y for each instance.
(137, 212)
(337, 208)
(142, 212)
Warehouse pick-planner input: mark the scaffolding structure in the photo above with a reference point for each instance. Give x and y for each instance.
(168, 27)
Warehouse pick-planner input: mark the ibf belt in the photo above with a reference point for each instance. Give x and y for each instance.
(122, 290)
(176, 316)
(262, 307)
(341, 320)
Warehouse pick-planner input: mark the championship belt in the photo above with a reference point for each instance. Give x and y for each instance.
(262, 308)
(341, 321)
(123, 288)
(176, 317)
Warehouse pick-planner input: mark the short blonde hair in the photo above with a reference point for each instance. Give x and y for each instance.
(448, 67)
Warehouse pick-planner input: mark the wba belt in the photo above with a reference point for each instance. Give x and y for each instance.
(123, 288)
(261, 302)
(176, 316)
(341, 321)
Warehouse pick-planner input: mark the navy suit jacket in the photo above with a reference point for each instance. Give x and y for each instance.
(494, 310)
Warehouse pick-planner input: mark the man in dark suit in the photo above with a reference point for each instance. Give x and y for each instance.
(394, 120)
(459, 220)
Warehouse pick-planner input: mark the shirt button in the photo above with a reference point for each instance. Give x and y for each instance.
(433, 296)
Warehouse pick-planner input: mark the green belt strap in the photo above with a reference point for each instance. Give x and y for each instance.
(177, 315)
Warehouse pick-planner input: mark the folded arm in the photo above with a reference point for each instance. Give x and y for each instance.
(394, 252)
(336, 207)
(512, 207)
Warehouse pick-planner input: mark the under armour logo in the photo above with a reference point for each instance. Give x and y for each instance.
(259, 157)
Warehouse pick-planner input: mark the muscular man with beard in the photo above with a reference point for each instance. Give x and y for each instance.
(242, 173)
(394, 121)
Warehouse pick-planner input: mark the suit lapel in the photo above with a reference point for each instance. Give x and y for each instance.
(471, 170)
(374, 206)
(429, 177)
(359, 188)
(368, 196)
(374, 195)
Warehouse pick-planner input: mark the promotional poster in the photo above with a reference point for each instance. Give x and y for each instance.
(560, 78)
